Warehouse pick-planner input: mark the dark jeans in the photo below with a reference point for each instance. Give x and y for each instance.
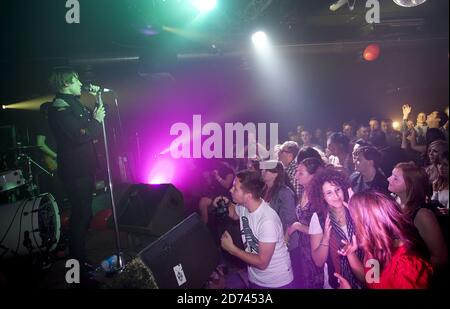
(79, 191)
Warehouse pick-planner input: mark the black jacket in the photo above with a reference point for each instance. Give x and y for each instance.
(75, 130)
(379, 183)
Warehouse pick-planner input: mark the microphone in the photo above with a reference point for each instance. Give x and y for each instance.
(88, 88)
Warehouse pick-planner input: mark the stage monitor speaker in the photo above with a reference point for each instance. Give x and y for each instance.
(153, 209)
(183, 258)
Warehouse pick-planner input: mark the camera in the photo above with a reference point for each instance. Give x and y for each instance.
(222, 208)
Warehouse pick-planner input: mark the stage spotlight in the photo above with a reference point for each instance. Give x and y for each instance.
(204, 5)
(30, 105)
(396, 125)
(161, 173)
(260, 40)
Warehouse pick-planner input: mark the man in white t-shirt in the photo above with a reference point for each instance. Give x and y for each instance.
(266, 254)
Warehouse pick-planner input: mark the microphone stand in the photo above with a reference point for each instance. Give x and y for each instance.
(121, 138)
(118, 114)
(111, 189)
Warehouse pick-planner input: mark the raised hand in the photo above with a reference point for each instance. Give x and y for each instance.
(349, 247)
(406, 111)
(327, 232)
(217, 199)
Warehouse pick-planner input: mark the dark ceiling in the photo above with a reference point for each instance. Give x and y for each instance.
(324, 48)
(37, 28)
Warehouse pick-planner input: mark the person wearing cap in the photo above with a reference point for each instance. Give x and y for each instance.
(281, 198)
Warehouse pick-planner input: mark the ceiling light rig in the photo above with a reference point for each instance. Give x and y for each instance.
(255, 8)
(340, 3)
(409, 3)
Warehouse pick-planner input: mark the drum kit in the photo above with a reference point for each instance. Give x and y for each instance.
(29, 220)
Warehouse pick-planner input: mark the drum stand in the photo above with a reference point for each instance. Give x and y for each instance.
(30, 163)
(111, 190)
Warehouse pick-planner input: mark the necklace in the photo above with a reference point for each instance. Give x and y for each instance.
(340, 218)
(304, 201)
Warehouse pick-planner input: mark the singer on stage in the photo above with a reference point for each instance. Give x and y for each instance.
(75, 128)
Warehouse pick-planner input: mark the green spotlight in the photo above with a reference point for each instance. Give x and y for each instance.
(204, 5)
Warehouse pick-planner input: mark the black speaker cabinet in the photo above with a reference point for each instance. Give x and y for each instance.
(183, 258)
(152, 209)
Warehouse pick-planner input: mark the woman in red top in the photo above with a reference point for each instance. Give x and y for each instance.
(390, 243)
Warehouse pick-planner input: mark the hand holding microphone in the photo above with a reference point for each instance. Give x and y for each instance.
(94, 89)
(99, 111)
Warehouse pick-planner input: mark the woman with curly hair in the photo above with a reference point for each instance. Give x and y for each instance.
(389, 240)
(331, 225)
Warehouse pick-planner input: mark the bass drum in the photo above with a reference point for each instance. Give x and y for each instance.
(29, 226)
